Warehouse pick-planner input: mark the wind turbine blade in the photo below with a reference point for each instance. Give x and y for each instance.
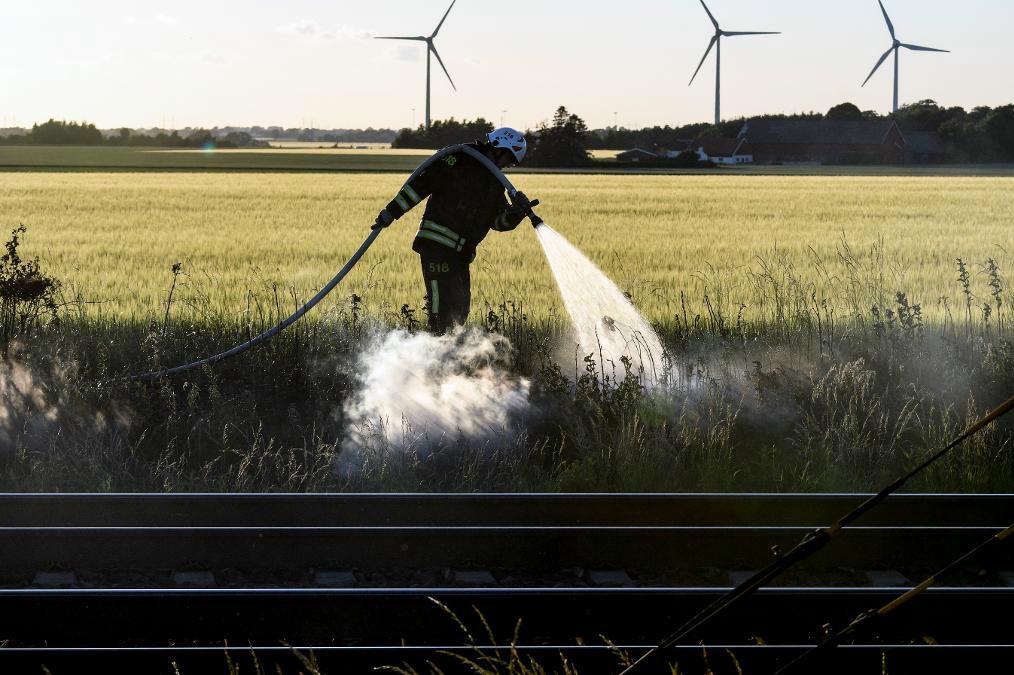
(710, 15)
(924, 49)
(731, 33)
(416, 39)
(441, 62)
(890, 26)
(714, 39)
(443, 19)
(879, 63)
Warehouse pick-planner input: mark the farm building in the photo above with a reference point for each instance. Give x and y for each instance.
(924, 147)
(723, 150)
(677, 148)
(637, 155)
(821, 141)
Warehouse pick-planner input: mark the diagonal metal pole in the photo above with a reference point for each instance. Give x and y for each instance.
(866, 618)
(810, 544)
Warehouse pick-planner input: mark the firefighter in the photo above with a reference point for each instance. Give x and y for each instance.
(466, 202)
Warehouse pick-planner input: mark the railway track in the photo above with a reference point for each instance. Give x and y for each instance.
(143, 580)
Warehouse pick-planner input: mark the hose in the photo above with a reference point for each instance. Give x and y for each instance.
(500, 176)
(275, 330)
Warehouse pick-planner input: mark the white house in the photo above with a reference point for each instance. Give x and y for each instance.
(724, 150)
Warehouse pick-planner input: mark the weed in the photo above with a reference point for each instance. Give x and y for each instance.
(26, 294)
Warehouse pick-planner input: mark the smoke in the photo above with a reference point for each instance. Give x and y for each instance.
(25, 407)
(417, 392)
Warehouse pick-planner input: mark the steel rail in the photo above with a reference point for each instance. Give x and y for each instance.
(659, 549)
(357, 509)
(371, 616)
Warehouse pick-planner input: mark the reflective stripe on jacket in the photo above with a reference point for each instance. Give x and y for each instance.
(428, 230)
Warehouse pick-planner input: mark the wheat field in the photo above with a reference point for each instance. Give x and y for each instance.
(112, 238)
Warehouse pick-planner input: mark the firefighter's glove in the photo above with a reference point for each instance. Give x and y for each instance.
(383, 220)
(520, 205)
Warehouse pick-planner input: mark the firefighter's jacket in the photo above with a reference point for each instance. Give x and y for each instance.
(466, 202)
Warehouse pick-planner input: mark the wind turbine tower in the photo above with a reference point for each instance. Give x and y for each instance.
(896, 47)
(430, 50)
(716, 42)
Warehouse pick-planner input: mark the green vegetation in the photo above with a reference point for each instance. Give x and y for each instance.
(443, 133)
(823, 333)
(560, 144)
(56, 132)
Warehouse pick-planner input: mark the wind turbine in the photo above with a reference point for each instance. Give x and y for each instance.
(430, 49)
(898, 44)
(716, 41)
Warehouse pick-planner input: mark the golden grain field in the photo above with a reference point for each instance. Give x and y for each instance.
(113, 237)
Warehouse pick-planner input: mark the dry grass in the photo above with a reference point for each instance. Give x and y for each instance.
(115, 236)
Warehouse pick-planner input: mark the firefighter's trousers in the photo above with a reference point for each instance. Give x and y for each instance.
(448, 291)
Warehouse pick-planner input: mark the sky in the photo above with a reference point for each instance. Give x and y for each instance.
(301, 62)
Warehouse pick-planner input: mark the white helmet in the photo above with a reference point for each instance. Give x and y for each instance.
(510, 139)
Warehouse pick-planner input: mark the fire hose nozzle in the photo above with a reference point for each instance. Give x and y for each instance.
(536, 221)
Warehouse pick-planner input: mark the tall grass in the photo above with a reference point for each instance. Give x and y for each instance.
(806, 398)
(823, 333)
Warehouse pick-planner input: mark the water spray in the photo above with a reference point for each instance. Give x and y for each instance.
(605, 320)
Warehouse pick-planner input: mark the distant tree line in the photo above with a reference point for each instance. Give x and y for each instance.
(982, 134)
(563, 142)
(443, 133)
(64, 133)
(368, 135)
(197, 138)
(55, 132)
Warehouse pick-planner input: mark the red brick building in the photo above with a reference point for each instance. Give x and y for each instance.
(818, 141)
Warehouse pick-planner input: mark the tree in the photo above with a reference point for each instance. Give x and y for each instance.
(999, 129)
(443, 133)
(564, 143)
(845, 111)
(65, 133)
(926, 115)
(121, 138)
